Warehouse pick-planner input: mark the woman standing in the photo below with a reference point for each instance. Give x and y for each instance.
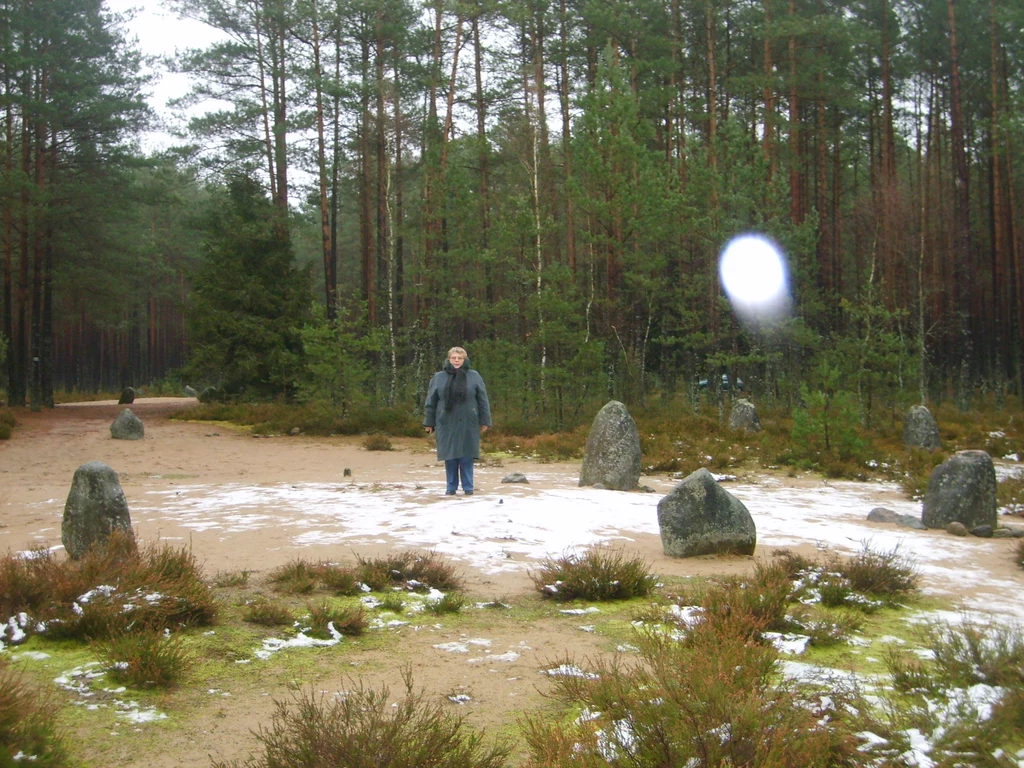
(458, 410)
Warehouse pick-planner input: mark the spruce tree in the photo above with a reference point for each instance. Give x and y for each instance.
(250, 301)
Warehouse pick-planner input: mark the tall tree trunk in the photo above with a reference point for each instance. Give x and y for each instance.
(768, 141)
(483, 154)
(367, 258)
(326, 240)
(795, 190)
(563, 92)
(961, 217)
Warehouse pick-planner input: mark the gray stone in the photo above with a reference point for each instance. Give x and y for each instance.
(127, 426)
(515, 477)
(920, 429)
(744, 416)
(296, 431)
(95, 508)
(1003, 533)
(961, 489)
(983, 531)
(1015, 530)
(612, 456)
(127, 396)
(699, 517)
(957, 529)
(883, 515)
(909, 521)
(189, 392)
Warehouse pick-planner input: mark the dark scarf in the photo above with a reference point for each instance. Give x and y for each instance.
(455, 392)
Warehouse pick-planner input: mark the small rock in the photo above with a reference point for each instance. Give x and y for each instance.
(957, 529)
(296, 431)
(883, 515)
(646, 489)
(189, 392)
(127, 426)
(909, 521)
(515, 477)
(1002, 533)
(347, 472)
(982, 531)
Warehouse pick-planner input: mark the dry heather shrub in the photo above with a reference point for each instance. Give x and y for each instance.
(338, 579)
(296, 577)
(889, 574)
(451, 602)
(301, 577)
(28, 724)
(412, 570)
(269, 613)
(714, 700)
(597, 574)
(747, 608)
(377, 443)
(365, 728)
(109, 589)
(346, 619)
(146, 660)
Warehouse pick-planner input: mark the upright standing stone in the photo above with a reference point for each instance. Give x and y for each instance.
(127, 396)
(744, 416)
(95, 508)
(920, 429)
(962, 489)
(127, 426)
(188, 391)
(699, 517)
(612, 456)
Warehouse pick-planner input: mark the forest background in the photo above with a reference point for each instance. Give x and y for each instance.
(548, 183)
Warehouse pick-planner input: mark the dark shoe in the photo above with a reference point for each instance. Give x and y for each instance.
(449, 493)
(468, 493)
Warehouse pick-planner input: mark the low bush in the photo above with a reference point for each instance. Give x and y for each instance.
(890, 575)
(451, 602)
(378, 443)
(28, 727)
(392, 602)
(416, 571)
(346, 619)
(298, 577)
(365, 728)
(226, 579)
(109, 589)
(146, 660)
(597, 574)
(712, 699)
(269, 613)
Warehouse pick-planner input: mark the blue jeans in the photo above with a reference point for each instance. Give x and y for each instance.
(456, 469)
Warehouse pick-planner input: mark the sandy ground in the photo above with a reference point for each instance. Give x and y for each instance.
(178, 462)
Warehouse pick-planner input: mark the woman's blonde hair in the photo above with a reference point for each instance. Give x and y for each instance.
(453, 350)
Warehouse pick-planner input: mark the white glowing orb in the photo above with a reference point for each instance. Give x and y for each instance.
(754, 276)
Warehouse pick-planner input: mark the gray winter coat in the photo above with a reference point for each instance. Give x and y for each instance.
(458, 432)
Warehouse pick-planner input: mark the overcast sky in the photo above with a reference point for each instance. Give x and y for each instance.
(160, 32)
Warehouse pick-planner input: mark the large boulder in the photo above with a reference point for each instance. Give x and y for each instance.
(699, 517)
(920, 429)
(127, 396)
(962, 489)
(744, 416)
(95, 509)
(127, 426)
(611, 458)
